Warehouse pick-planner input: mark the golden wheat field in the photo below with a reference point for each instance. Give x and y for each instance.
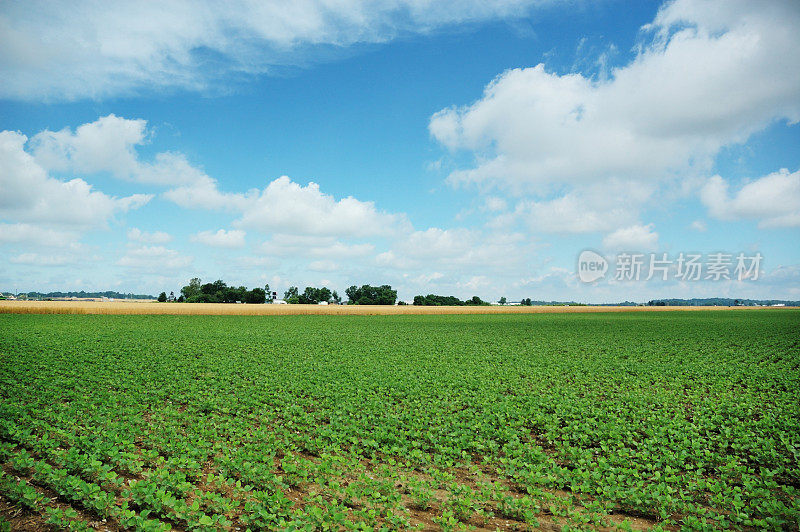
(130, 307)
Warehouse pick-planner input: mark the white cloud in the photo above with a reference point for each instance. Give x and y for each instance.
(773, 200)
(633, 238)
(699, 225)
(154, 259)
(30, 195)
(390, 259)
(323, 266)
(36, 259)
(156, 237)
(109, 145)
(707, 75)
(590, 208)
(220, 239)
(697, 86)
(456, 249)
(17, 233)
(427, 279)
(438, 243)
(90, 49)
(282, 245)
(554, 275)
(569, 214)
(256, 262)
(204, 193)
(105, 145)
(290, 208)
(494, 204)
(476, 283)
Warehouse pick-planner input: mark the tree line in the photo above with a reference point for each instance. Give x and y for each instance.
(432, 300)
(86, 295)
(216, 292)
(311, 296)
(220, 292)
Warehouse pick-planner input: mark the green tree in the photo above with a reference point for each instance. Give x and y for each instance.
(502, 300)
(192, 289)
(313, 296)
(255, 296)
(371, 295)
(292, 295)
(162, 297)
(351, 294)
(436, 300)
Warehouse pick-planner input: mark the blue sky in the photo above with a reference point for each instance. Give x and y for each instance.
(455, 148)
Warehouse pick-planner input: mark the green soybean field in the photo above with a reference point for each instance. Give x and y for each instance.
(604, 421)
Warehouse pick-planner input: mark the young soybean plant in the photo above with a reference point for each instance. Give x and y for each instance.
(683, 419)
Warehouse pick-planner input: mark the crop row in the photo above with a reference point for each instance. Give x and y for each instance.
(676, 419)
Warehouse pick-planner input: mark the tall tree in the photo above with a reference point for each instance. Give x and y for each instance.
(255, 296)
(192, 289)
(371, 295)
(292, 295)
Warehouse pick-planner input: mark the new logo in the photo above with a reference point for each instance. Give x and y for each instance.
(591, 266)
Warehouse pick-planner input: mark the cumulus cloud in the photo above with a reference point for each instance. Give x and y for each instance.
(249, 262)
(633, 238)
(220, 239)
(773, 200)
(426, 279)
(90, 49)
(154, 259)
(323, 266)
(286, 207)
(494, 204)
(156, 237)
(456, 248)
(105, 145)
(290, 208)
(563, 141)
(37, 259)
(204, 193)
(671, 108)
(569, 214)
(592, 208)
(283, 245)
(32, 196)
(439, 243)
(109, 145)
(21, 233)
